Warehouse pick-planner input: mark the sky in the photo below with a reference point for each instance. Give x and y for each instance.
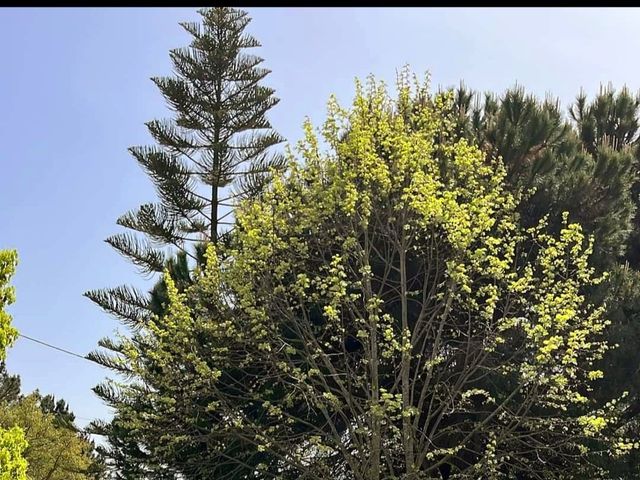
(75, 93)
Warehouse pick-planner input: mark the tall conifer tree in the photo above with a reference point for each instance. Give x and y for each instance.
(215, 150)
(217, 146)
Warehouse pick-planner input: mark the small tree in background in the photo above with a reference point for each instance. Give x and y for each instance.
(9, 385)
(55, 451)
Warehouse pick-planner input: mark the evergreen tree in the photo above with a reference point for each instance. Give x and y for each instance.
(9, 385)
(586, 167)
(590, 169)
(60, 411)
(531, 136)
(123, 455)
(610, 123)
(216, 148)
(610, 119)
(215, 151)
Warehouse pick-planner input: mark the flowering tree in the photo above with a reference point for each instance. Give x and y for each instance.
(13, 466)
(381, 314)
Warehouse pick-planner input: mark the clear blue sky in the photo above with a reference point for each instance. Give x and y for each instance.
(75, 93)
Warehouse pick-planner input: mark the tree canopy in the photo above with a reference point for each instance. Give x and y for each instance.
(13, 465)
(55, 451)
(381, 313)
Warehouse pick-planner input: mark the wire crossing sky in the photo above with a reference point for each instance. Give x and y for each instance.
(75, 91)
(45, 344)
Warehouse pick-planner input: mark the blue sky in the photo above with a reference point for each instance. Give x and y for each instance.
(75, 93)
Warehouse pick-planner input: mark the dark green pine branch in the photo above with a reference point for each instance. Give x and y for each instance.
(215, 148)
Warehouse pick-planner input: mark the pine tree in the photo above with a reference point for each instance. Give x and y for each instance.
(608, 126)
(584, 164)
(588, 168)
(612, 122)
(216, 150)
(60, 410)
(9, 385)
(530, 135)
(611, 119)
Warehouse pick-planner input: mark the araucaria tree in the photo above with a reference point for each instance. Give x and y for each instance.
(216, 150)
(381, 313)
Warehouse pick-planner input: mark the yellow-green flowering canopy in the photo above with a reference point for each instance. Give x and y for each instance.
(13, 466)
(385, 314)
(8, 334)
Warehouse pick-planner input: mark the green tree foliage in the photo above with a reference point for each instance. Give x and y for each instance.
(557, 164)
(528, 134)
(59, 409)
(123, 453)
(13, 465)
(610, 119)
(550, 164)
(54, 452)
(215, 151)
(384, 296)
(220, 138)
(9, 385)
(610, 122)
(591, 171)
(8, 334)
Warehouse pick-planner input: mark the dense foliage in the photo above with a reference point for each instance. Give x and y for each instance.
(380, 313)
(436, 286)
(586, 164)
(13, 465)
(56, 450)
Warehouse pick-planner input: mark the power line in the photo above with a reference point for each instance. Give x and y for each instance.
(63, 350)
(68, 352)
